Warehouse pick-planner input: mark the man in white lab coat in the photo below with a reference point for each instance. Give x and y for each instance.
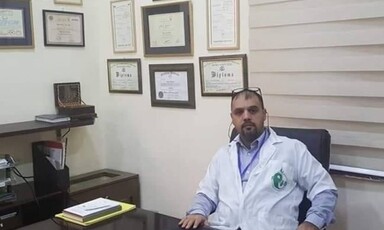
(257, 181)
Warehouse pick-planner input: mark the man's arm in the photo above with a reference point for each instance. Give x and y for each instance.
(321, 212)
(206, 199)
(321, 189)
(201, 207)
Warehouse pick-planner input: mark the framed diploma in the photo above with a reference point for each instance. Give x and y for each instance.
(63, 28)
(172, 85)
(123, 26)
(124, 76)
(167, 29)
(16, 29)
(221, 74)
(223, 24)
(73, 2)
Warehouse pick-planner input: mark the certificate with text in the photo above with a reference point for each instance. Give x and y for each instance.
(123, 25)
(171, 86)
(222, 74)
(166, 30)
(223, 24)
(11, 23)
(16, 30)
(63, 28)
(124, 76)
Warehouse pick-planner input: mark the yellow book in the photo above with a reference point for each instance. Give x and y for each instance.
(124, 208)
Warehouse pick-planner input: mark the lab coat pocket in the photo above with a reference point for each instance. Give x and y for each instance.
(281, 176)
(274, 221)
(221, 216)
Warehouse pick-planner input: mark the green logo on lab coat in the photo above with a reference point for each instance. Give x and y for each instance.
(279, 180)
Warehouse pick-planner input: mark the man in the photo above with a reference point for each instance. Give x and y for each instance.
(257, 181)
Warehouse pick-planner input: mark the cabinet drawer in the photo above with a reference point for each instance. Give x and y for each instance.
(10, 219)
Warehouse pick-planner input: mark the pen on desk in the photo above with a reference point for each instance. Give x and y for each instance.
(94, 208)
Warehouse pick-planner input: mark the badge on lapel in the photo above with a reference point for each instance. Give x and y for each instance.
(279, 180)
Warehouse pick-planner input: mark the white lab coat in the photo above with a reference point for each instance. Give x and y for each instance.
(263, 206)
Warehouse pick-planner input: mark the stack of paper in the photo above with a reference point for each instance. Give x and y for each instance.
(94, 211)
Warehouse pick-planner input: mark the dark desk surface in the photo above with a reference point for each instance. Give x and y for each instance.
(137, 219)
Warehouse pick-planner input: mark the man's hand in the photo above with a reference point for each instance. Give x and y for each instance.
(193, 220)
(307, 226)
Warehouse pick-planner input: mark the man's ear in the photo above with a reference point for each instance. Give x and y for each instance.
(265, 114)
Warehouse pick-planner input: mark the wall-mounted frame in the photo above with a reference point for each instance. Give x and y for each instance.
(57, 33)
(219, 75)
(71, 2)
(16, 29)
(172, 85)
(123, 26)
(167, 29)
(124, 76)
(223, 24)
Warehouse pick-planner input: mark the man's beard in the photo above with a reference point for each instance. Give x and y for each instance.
(249, 132)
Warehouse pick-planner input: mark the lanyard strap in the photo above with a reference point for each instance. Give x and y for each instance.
(242, 173)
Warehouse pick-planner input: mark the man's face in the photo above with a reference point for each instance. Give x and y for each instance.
(248, 117)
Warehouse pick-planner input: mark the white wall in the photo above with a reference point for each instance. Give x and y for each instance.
(26, 89)
(170, 148)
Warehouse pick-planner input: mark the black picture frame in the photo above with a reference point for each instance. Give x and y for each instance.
(21, 36)
(63, 34)
(171, 97)
(130, 69)
(177, 42)
(219, 75)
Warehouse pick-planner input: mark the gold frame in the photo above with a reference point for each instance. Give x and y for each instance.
(128, 62)
(222, 72)
(132, 48)
(236, 30)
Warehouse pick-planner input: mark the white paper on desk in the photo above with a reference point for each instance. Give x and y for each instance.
(94, 206)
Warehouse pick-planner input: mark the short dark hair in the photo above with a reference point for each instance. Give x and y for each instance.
(248, 93)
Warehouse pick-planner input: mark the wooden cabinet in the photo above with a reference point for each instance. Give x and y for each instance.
(27, 208)
(112, 184)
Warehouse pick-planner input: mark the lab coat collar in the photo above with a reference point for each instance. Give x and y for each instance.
(267, 151)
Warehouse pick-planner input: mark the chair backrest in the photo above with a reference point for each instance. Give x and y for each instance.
(318, 142)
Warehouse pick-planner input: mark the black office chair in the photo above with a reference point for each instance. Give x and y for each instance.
(318, 142)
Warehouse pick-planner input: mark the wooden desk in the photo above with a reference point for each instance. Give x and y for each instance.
(138, 219)
(113, 184)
